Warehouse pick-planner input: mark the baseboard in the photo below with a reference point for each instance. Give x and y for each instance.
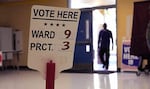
(16, 68)
(88, 67)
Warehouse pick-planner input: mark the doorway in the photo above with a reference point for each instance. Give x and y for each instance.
(100, 15)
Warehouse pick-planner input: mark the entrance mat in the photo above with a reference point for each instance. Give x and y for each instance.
(87, 71)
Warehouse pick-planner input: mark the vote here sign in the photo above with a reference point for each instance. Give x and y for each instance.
(52, 36)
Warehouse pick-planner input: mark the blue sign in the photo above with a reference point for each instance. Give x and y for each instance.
(128, 59)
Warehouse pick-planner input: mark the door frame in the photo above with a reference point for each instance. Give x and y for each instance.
(103, 7)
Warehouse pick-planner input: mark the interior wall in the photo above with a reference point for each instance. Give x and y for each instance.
(17, 16)
(62, 3)
(124, 15)
(3, 16)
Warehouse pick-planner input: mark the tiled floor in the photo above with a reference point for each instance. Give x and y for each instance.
(33, 80)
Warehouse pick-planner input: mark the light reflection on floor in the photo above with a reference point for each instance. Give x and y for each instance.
(33, 80)
(112, 67)
(105, 81)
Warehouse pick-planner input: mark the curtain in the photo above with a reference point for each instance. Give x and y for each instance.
(140, 29)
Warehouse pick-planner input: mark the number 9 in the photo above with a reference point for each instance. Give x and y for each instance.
(67, 33)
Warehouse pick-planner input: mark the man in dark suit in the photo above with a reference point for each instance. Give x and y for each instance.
(103, 45)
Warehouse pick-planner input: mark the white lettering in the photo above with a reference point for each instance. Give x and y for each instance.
(126, 49)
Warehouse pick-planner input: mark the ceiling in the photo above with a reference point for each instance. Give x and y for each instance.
(90, 3)
(96, 1)
(80, 3)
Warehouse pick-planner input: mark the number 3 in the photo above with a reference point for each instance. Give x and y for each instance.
(66, 44)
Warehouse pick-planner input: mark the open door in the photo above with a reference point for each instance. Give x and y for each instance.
(83, 55)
